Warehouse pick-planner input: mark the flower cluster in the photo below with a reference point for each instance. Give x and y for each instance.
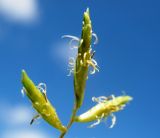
(80, 66)
(104, 108)
(38, 98)
(84, 59)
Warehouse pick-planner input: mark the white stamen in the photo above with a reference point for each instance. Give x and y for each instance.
(92, 71)
(71, 71)
(96, 123)
(100, 99)
(122, 106)
(113, 96)
(99, 120)
(42, 87)
(71, 62)
(113, 121)
(94, 99)
(71, 65)
(90, 50)
(94, 62)
(96, 38)
(23, 91)
(73, 46)
(72, 37)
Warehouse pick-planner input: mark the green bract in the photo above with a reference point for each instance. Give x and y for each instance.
(40, 103)
(104, 108)
(83, 60)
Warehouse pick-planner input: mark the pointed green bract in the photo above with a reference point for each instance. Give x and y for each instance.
(104, 108)
(40, 103)
(82, 60)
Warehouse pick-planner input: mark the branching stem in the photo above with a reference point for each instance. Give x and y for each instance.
(75, 109)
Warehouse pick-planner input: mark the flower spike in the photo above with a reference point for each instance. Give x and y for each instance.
(105, 107)
(37, 95)
(84, 60)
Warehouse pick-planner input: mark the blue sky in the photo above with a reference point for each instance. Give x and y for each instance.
(128, 54)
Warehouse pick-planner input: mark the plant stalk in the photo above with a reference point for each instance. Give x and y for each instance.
(75, 109)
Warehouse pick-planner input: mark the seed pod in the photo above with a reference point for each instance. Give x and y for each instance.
(83, 60)
(40, 103)
(104, 108)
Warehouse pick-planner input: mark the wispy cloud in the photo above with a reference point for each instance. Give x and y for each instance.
(15, 122)
(24, 134)
(61, 52)
(20, 115)
(19, 10)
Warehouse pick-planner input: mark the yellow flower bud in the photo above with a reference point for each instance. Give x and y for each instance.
(40, 103)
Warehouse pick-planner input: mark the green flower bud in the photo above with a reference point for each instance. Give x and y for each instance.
(83, 60)
(105, 107)
(40, 103)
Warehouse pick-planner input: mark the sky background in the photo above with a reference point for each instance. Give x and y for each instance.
(128, 54)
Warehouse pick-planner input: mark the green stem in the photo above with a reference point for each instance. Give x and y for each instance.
(75, 109)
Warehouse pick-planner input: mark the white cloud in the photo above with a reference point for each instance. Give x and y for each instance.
(15, 122)
(64, 51)
(24, 134)
(60, 53)
(19, 115)
(19, 10)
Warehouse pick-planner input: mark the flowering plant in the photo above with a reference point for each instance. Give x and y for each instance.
(81, 67)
